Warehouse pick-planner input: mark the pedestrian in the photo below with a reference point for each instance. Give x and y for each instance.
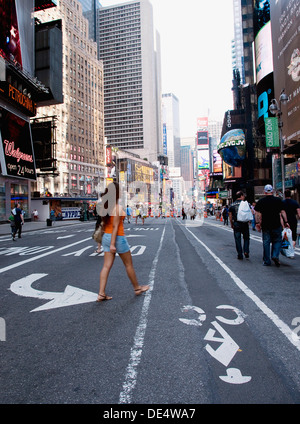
(98, 223)
(11, 219)
(225, 214)
(183, 213)
(137, 213)
(128, 213)
(270, 217)
(292, 209)
(239, 228)
(19, 220)
(253, 219)
(35, 215)
(114, 241)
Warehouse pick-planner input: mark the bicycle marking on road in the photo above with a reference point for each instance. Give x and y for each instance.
(137, 348)
(228, 347)
(282, 326)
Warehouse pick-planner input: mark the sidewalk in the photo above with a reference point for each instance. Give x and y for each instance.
(42, 225)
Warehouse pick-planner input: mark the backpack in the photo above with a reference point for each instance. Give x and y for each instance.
(244, 212)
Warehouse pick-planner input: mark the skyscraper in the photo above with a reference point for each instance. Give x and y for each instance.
(89, 9)
(80, 119)
(130, 55)
(237, 42)
(170, 118)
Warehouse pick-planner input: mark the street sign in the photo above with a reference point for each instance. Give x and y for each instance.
(272, 134)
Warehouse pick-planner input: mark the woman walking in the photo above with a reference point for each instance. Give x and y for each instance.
(114, 241)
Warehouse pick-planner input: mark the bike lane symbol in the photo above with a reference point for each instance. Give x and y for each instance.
(228, 347)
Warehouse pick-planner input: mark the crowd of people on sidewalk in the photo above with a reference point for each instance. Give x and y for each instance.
(271, 216)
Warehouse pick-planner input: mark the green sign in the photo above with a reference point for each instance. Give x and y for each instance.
(272, 134)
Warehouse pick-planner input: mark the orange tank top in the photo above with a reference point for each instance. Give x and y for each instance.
(108, 229)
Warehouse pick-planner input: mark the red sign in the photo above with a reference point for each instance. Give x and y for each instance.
(44, 4)
(108, 156)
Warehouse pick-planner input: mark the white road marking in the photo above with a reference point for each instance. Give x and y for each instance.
(284, 328)
(71, 296)
(137, 348)
(9, 267)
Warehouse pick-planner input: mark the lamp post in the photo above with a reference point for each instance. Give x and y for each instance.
(275, 109)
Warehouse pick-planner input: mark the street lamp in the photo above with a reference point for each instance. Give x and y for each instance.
(275, 109)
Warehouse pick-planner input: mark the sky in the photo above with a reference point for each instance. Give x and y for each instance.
(196, 61)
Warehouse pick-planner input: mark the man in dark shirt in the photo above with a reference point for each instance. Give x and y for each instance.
(270, 218)
(292, 209)
(239, 228)
(19, 220)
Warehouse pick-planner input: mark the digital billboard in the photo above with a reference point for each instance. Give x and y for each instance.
(286, 54)
(10, 47)
(17, 33)
(217, 163)
(203, 139)
(263, 60)
(16, 151)
(44, 4)
(203, 159)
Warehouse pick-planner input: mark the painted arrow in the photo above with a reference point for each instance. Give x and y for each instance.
(71, 296)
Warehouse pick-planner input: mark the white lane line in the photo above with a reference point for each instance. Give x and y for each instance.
(284, 328)
(137, 348)
(8, 268)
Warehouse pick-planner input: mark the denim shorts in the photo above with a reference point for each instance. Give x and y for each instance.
(122, 245)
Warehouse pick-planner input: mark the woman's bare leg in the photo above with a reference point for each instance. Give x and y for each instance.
(127, 261)
(108, 263)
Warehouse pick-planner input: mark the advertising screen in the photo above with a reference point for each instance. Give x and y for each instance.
(286, 53)
(10, 47)
(217, 165)
(202, 138)
(16, 151)
(17, 33)
(203, 159)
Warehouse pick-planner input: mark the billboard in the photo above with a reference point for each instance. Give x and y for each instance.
(232, 147)
(16, 151)
(286, 55)
(17, 33)
(202, 139)
(217, 165)
(203, 159)
(44, 4)
(10, 46)
(263, 60)
(202, 123)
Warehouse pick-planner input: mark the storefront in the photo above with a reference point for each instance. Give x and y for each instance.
(16, 161)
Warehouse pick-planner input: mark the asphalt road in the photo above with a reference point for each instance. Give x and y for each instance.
(212, 329)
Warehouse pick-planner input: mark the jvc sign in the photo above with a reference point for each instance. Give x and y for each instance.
(272, 134)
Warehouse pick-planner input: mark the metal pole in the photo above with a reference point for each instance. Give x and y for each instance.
(280, 124)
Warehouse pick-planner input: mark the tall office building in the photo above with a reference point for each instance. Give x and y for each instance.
(129, 49)
(171, 124)
(89, 9)
(237, 42)
(80, 119)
